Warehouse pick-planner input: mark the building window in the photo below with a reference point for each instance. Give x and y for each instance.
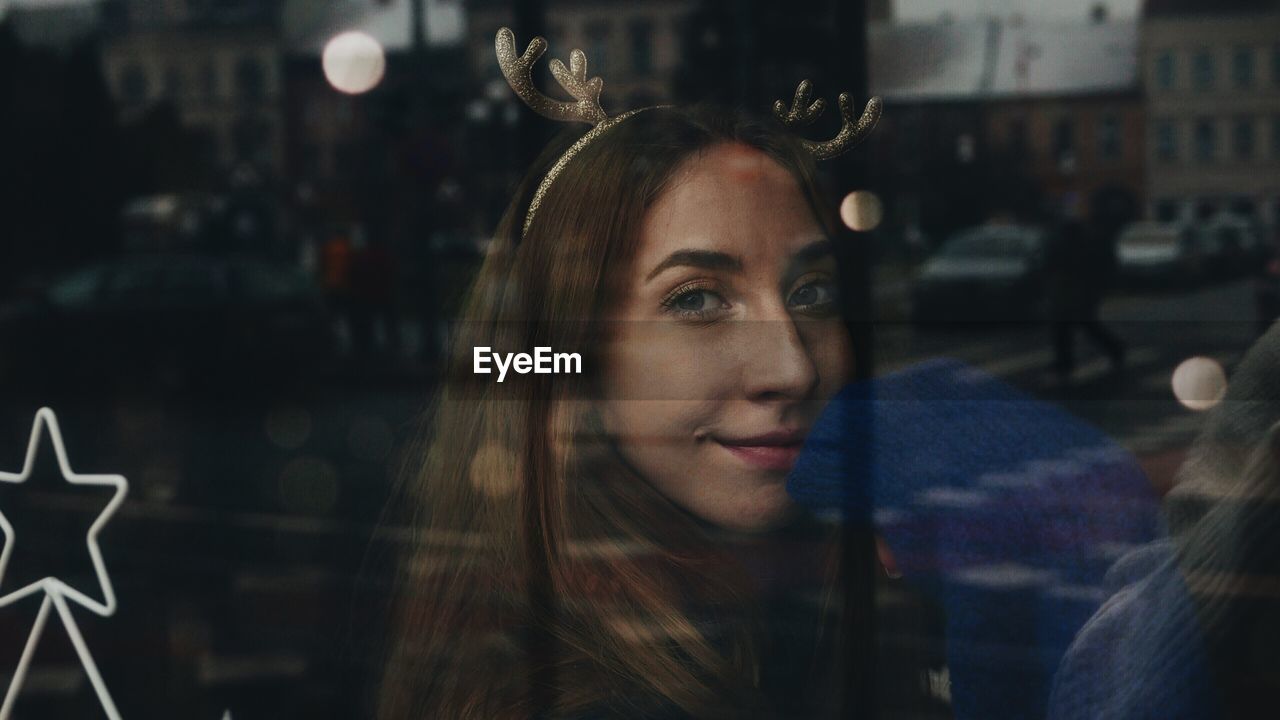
(1242, 138)
(1206, 140)
(557, 37)
(1202, 70)
(1109, 137)
(133, 85)
(642, 47)
(1205, 208)
(1166, 141)
(209, 80)
(1242, 206)
(1242, 67)
(1064, 138)
(1164, 70)
(1275, 137)
(251, 140)
(173, 85)
(1275, 65)
(1166, 210)
(1018, 138)
(310, 160)
(250, 78)
(207, 150)
(598, 47)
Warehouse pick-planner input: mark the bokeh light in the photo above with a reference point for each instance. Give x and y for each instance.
(370, 438)
(309, 486)
(1199, 383)
(354, 62)
(160, 477)
(288, 428)
(861, 210)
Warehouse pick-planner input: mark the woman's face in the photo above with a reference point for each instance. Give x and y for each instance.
(726, 341)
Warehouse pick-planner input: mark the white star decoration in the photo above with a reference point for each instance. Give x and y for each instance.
(57, 592)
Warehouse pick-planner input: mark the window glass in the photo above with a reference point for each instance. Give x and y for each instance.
(1242, 67)
(79, 289)
(1242, 138)
(599, 44)
(1202, 69)
(1165, 70)
(641, 47)
(250, 78)
(895, 359)
(1206, 139)
(134, 87)
(1109, 140)
(1166, 140)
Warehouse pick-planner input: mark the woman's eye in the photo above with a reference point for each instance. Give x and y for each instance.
(695, 303)
(814, 296)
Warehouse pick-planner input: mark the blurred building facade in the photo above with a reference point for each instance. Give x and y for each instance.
(1211, 71)
(218, 63)
(633, 47)
(997, 116)
(58, 27)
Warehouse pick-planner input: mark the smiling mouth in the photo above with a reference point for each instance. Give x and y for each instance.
(777, 451)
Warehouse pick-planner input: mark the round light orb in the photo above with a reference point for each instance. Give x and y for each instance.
(1199, 383)
(370, 438)
(354, 62)
(288, 427)
(861, 210)
(308, 486)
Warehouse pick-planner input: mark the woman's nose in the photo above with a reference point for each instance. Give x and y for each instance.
(778, 364)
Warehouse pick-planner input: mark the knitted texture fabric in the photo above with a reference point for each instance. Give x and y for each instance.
(1005, 509)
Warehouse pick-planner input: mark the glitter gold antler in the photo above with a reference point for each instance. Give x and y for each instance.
(802, 111)
(585, 107)
(853, 130)
(517, 69)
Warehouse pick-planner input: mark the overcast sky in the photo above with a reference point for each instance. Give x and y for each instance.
(931, 9)
(912, 9)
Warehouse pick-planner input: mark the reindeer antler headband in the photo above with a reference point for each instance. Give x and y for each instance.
(585, 107)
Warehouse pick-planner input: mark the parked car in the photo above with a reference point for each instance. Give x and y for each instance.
(168, 321)
(986, 273)
(1233, 245)
(1168, 254)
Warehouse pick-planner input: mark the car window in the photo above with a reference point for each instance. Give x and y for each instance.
(194, 279)
(79, 288)
(133, 280)
(987, 244)
(260, 281)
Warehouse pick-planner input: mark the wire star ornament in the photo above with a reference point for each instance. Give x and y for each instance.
(56, 592)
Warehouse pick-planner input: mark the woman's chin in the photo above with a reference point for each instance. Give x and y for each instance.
(767, 509)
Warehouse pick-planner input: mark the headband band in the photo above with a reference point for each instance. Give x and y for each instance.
(585, 107)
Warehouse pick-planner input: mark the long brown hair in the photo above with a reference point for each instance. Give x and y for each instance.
(546, 579)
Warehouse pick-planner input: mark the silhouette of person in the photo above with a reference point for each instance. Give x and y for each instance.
(1081, 264)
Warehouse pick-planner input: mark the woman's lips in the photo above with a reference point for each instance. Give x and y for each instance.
(771, 451)
(769, 457)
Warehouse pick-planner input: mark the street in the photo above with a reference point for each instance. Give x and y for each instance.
(1137, 408)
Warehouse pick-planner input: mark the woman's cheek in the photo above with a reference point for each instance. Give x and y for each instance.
(832, 350)
(668, 367)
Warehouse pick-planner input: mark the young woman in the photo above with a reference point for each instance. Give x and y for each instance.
(618, 542)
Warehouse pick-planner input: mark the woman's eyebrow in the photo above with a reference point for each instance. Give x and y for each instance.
(706, 259)
(817, 250)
